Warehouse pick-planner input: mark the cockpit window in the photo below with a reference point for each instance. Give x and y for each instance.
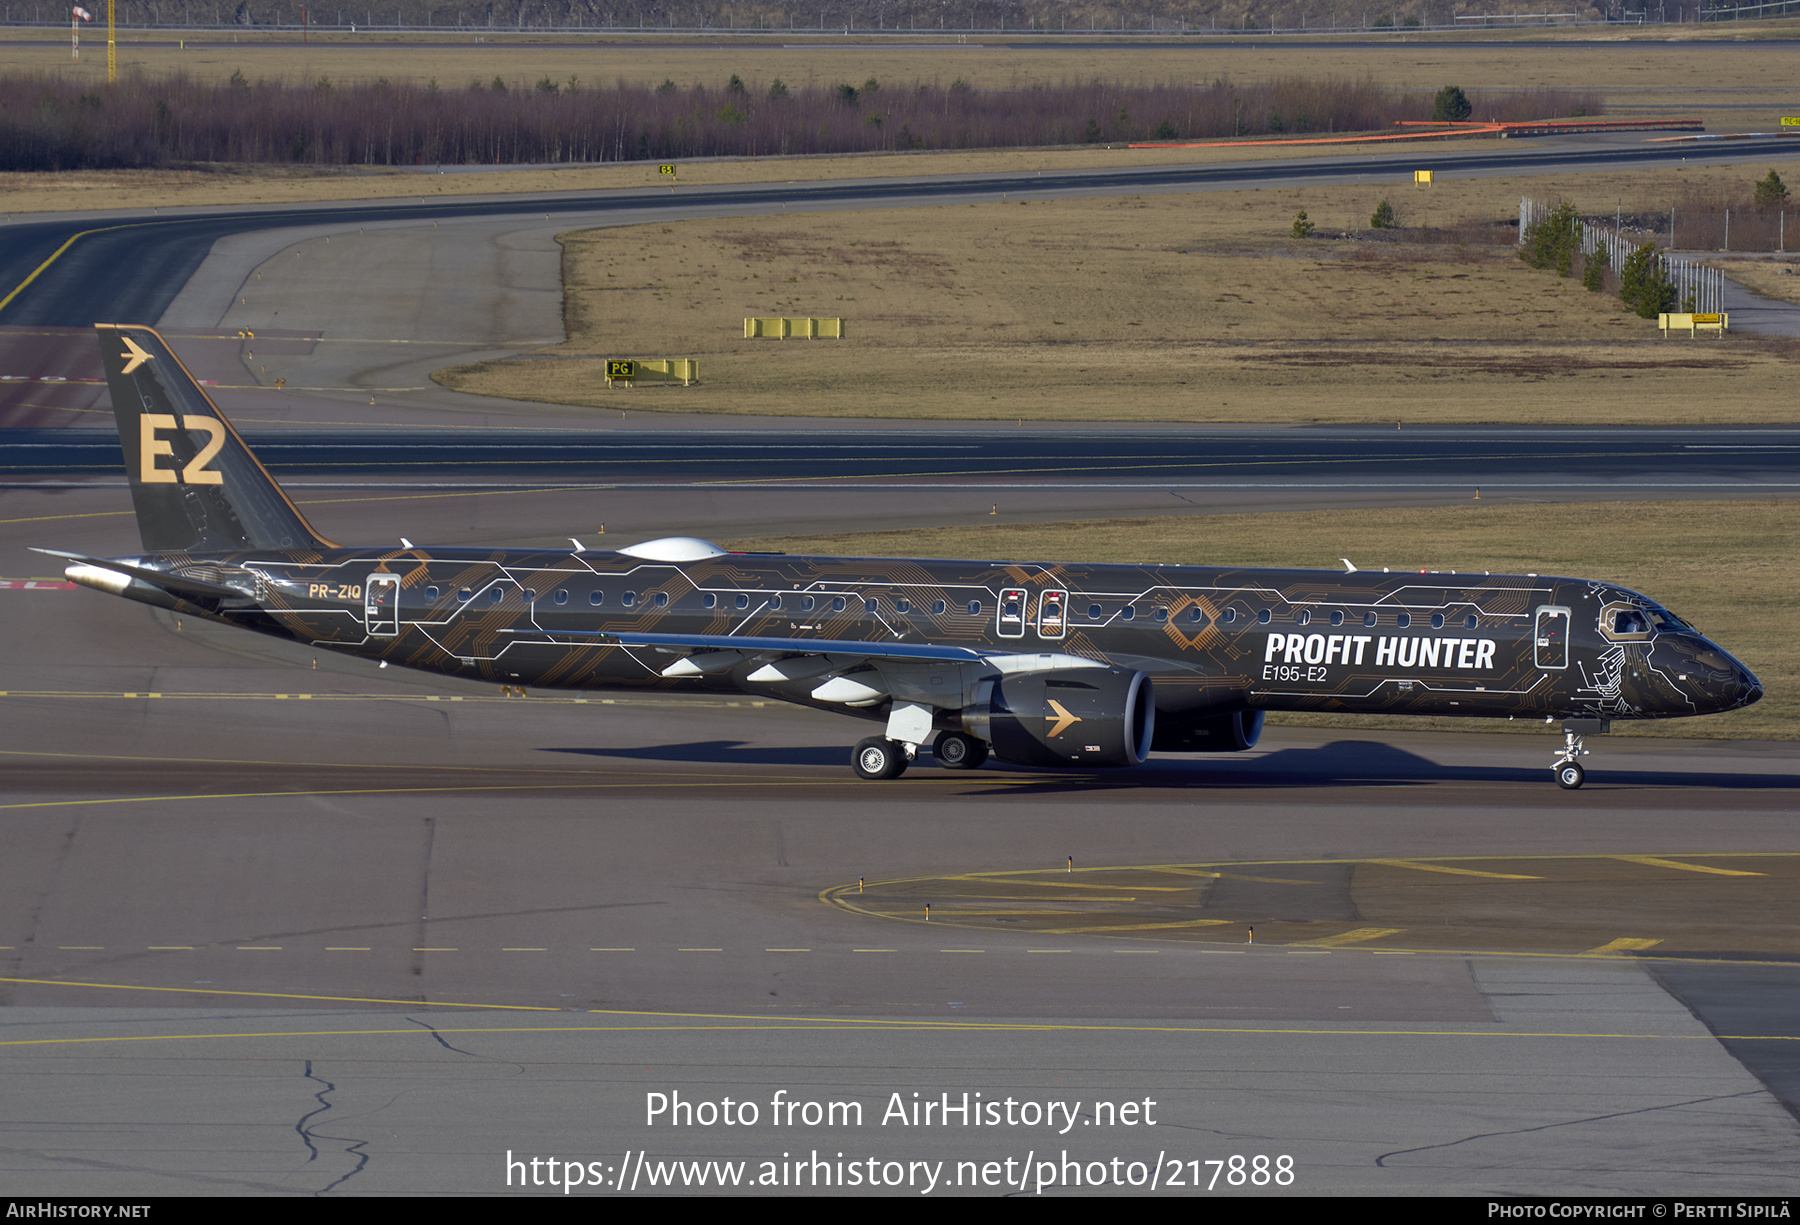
(1625, 623)
(1665, 620)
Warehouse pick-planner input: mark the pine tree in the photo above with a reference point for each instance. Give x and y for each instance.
(1302, 227)
(1452, 104)
(1644, 284)
(1383, 219)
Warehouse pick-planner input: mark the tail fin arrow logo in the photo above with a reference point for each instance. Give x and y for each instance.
(137, 355)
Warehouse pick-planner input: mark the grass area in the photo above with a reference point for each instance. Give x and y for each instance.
(1726, 567)
(1192, 307)
(1616, 58)
(227, 185)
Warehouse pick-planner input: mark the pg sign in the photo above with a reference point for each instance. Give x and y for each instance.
(618, 371)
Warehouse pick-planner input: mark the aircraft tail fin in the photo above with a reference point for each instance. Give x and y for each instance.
(196, 486)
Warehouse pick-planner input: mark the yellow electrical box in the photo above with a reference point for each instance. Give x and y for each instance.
(779, 328)
(1422, 177)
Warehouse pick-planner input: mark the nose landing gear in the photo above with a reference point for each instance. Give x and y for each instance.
(1568, 771)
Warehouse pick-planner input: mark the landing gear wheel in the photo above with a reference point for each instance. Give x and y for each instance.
(955, 751)
(876, 758)
(1570, 775)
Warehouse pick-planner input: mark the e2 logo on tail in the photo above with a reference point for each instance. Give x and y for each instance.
(197, 470)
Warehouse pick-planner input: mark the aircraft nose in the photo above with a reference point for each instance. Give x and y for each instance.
(1724, 680)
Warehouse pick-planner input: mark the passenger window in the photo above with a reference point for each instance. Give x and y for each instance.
(467, 594)
(743, 601)
(869, 605)
(1127, 613)
(531, 595)
(431, 595)
(1469, 622)
(1369, 618)
(837, 604)
(1437, 621)
(562, 596)
(1162, 614)
(596, 598)
(1093, 612)
(974, 608)
(1303, 617)
(1230, 615)
(937, 608)
(902, 606)
(628, 599)
(1196, 614)
(1403, 620)
(775, 602)
(709, 600)
(494, 595)
(1262, 616)
(806, 603)
(1337, 617)
(662, 599)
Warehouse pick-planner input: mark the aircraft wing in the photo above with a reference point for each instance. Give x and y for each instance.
(917, 651)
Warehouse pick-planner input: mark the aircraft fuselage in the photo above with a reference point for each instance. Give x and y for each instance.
(1212, 639)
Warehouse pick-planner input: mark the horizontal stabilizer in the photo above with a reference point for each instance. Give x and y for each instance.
(174, 584)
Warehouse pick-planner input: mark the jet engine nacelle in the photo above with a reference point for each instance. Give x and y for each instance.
(1227, 733)
(1075, 717)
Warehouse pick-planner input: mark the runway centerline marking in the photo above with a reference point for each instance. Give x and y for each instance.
(1654, 862)
(1432, 867)
(730, 1021)
(1625, 944)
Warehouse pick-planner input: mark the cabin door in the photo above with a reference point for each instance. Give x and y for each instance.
(1551, 642)
(381, 605)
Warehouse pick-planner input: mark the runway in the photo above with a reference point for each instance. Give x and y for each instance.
(282, 930)
(129, 267)
(279, 923)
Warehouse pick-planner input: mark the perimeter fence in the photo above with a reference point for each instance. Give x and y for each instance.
(1694, 282)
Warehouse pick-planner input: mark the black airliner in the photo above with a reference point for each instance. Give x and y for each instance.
(1036, 664)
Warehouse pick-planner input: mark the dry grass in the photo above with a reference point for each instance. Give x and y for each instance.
(228, 185)
(1170, 307)
(1725, 566)
(1726, 69)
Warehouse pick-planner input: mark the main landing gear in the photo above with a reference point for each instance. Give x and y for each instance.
(955, 751)
(877, 758)
(1568, 771)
